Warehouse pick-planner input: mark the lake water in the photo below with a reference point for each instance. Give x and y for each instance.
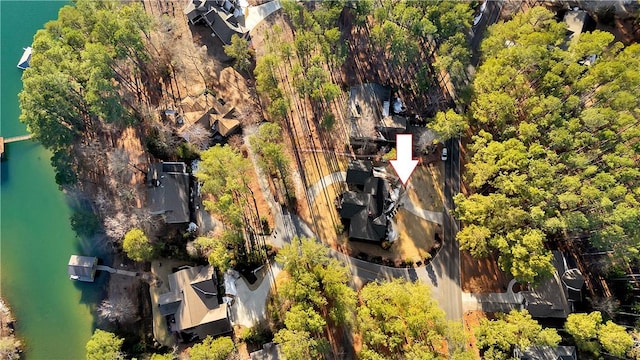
(55, 315)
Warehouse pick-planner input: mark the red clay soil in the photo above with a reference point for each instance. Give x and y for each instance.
(482, 275)
(471, 321)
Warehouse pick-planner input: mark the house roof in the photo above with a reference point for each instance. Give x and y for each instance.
(225, 127)
(194, 303)
(549, 353)
(223, 25)
(365, 209)
(550, 298)
(358, 172)
(168, 193)
(578, 21)
(370, 115)
(82, 267)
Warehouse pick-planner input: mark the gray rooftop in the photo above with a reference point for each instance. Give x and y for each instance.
(82, 268)
(223, 17)
(549, 353)
(550, 298)
(365, 208)
(194, 303)
(369, 110)
(168, 191)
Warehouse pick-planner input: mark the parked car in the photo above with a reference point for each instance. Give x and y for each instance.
(478, 17)
(444, 154)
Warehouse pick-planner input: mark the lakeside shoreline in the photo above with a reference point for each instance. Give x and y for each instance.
(13, 347)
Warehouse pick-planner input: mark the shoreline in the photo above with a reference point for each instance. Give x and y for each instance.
(12, 345)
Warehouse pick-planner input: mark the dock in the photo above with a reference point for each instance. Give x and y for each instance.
(4, 141)
(23, 64)
(83, 268)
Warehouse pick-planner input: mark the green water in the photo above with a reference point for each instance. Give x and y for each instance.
(54, 313)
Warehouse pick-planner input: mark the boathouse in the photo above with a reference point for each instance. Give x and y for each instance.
(82, 268)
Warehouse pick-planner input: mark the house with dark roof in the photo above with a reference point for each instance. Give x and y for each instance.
(82, 268)
(168, 191)
(191, 307)
(372, 116)
(223, 17)
(551, 298)
(362, 208)
(543, 352)
(554, 297)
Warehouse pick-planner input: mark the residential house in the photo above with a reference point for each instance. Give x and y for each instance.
(554, 297)
(224, 17)
(169, 191)
(269, 351)
(362, 209)
(543, 352)
(551, 298)
(82, 268)
(191, 307)
(372, 116)
(577, 21)
(212, 114)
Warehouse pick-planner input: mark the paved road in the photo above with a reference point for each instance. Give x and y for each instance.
(447, 261)
(490, 16)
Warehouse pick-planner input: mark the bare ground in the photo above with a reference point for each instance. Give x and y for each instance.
(482, 275)
(471, 319)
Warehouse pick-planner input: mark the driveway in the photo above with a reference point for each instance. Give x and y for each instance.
(250, 306)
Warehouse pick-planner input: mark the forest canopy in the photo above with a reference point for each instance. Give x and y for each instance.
(554, 158)
(79, 63)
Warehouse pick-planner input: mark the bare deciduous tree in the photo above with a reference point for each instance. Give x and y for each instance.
(248, 114)
(197, 135)
(236, 141)
(118, 310)
(119, 160)
(117, 225)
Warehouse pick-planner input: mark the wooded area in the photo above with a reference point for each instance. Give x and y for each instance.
(554, 155)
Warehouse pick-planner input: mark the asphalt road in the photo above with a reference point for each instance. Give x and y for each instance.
(490, 16)
(447, 261)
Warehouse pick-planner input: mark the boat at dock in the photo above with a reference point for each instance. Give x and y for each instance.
(24, 60)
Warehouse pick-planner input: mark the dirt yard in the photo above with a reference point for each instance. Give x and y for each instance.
(482, 275)
(471, 320)
(426, 187)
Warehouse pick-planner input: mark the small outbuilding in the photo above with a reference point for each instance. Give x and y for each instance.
(82, 268)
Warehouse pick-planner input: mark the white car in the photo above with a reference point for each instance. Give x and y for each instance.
(477, 19)
(444, 154)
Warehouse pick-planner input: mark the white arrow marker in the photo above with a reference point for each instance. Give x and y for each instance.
(404, 163)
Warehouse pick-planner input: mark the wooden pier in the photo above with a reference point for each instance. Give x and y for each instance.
(4, 141)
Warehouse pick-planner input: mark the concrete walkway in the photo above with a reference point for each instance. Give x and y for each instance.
(433, 216)
(493, 302)
(255, 14)
(326, 181)
(250, 306)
